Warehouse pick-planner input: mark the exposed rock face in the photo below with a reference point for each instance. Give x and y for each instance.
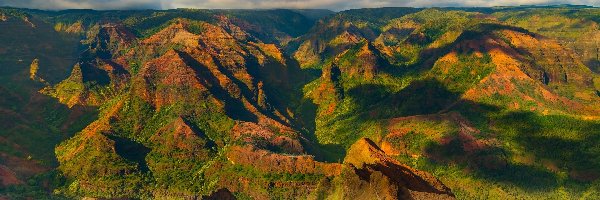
(367, 173)
(278, 163)
(3, 17)
(176, 33)
(168, 79)
(372, 174)
(552, 63)
(33, 69)
(516, 75)
(264, 137)
(231, 28)
(579, 34)
(26, 20)
(587, 48)
(111, 40)
(72, 28)
(76, 27)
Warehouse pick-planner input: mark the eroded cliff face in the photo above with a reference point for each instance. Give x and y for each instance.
(579, 34)
(367, 172)
(587, 48)
(527, 66)
(370, 173)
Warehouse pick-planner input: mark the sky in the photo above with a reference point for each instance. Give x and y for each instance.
(335, 5)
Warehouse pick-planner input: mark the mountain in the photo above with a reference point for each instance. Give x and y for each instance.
(394, 103)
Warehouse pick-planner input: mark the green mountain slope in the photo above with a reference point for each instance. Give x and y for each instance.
(487, 95)
(469, 103)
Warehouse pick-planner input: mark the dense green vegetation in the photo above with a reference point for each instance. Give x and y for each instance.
(362, 107)
(535, 156)
(464, 74)
(158, 134)
(32, 124)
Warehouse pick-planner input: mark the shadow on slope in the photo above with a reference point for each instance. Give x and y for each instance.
(559, 149)
(528, 150)
(233, 107)
(132, 151)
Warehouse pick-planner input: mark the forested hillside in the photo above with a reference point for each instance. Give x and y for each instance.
(394, 103)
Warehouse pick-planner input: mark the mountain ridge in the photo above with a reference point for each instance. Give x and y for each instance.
(194, 103)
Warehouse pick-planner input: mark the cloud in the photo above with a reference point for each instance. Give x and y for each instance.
(326, 4)
(83, 4)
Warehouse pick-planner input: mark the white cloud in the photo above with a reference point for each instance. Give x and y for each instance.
(327, 4)
(83, 4)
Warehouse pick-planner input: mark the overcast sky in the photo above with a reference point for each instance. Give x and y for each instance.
(336, 5)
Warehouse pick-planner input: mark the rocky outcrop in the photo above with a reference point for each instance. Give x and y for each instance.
(33, 71)
(370, 173)
(71, 91)
(267, 161)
